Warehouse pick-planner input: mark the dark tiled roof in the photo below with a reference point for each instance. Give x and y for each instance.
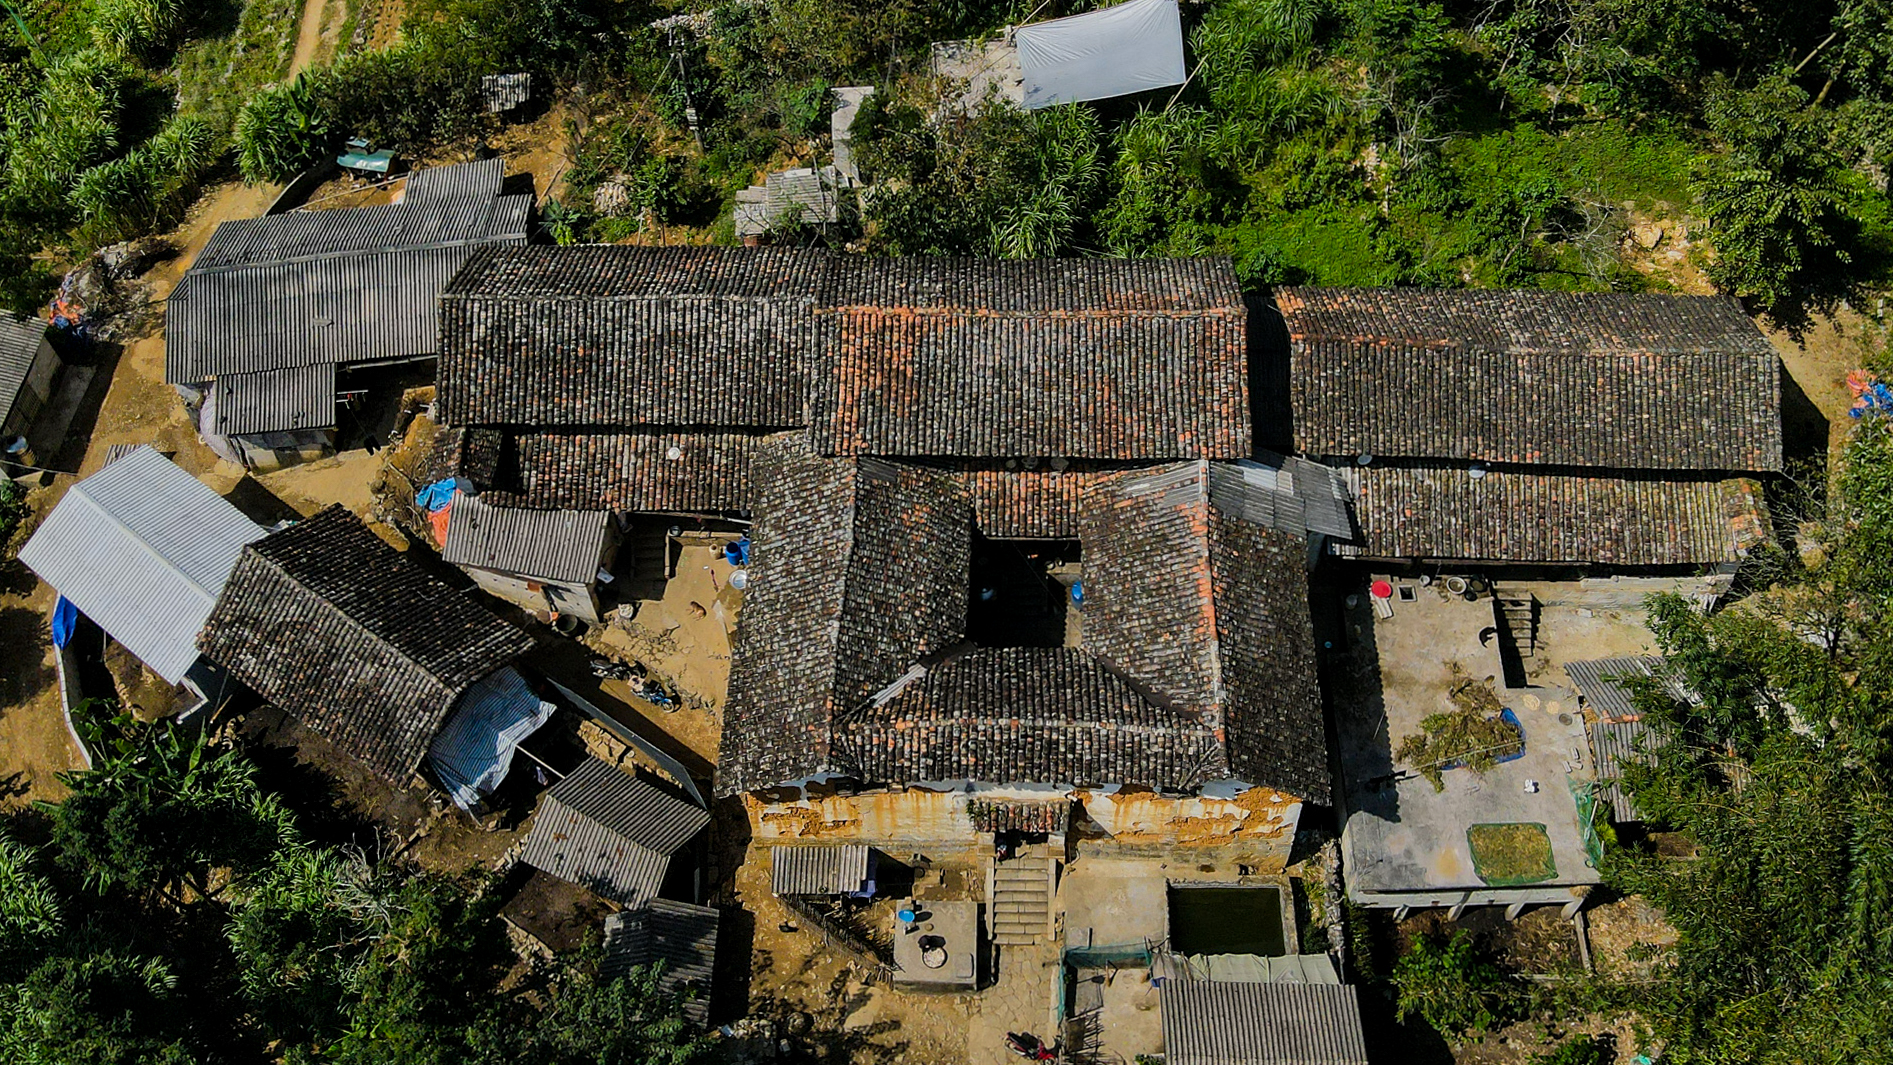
(301, 397)
(333, 625)
(334, 286)
(19, 346)
(677, 935)
(1026, 714)
(611, 831)
(1197, 664)
(1508, 516)
(859, 570)
(1028, 504)
(1209, 612)
(1011, 815)
(1084, 358)
(660, 471)
(554, 545)
(624, 336)
(1624, 381)
(1216, 1022)
(818, 869)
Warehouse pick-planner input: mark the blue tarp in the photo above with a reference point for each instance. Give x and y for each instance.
(435, 496)
(473, 753)
(65, 619)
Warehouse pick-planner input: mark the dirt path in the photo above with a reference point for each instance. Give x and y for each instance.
(308, 35)
(137, 408)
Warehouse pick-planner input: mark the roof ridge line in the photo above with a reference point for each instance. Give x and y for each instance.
(352, 623)
(296, 260)
(145, 544)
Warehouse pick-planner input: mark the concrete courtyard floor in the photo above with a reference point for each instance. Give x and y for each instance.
(1401, 835)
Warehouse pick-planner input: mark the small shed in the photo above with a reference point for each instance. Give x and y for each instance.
(28, 368)
(327, 621)
(539, 559)
(679, 935)
(611, 831)
(1225, 1023)
(822, 869)
(144, 549)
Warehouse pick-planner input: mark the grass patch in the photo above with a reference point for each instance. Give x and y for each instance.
(1513, 853)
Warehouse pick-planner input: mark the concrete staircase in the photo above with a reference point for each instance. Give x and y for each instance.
(1020, 892)
(1520, 618)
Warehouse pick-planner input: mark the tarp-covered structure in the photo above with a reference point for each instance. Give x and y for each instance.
(1129, 47)
(474, 751)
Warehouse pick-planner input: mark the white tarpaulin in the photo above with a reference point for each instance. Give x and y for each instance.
(1128, 48)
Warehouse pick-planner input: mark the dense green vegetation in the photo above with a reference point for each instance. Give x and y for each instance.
(178, 913)
(1780, 778)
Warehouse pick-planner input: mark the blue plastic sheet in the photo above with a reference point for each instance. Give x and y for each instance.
(65, 619)
(435, 496)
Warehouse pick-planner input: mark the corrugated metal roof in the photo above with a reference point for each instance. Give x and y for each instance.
(1219, 1023)
(339, 285)
(350, 309)
(1613, 745)
(19, 344)
(1289, 494)
(818, 869)
(475, 181)
(610, 831)
(1600, 682)
(678, 934)
(142, 548)
(554, 545)
(300, 397)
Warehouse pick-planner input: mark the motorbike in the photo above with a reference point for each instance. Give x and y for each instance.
(1030, 1047)
(637, 678)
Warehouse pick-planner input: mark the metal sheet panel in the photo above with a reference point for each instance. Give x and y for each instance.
(142, 548)
(554, 545)
(677, 934)
(19, 347)
(610, 831)
(274, 401)
(823, 869)
(1222, 1023)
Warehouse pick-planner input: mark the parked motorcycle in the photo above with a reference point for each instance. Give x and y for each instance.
(1030, 1047)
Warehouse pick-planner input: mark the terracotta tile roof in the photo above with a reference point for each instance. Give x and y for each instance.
(333, 625)
(1208, 611)
(1127, 359)
(1028, 504)
(1623, 381)
(1050, 715)
(612, 335)
(1521, 516)
(680, 472)
(1082, 358)
(1197, 661)
(859, 570)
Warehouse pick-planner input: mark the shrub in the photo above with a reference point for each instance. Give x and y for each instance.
(280, 132)
(1445, 983)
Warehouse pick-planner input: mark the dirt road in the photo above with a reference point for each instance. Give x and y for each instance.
(309, 34)
(137, 408)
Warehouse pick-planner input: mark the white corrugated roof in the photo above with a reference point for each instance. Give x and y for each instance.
(142, 548)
